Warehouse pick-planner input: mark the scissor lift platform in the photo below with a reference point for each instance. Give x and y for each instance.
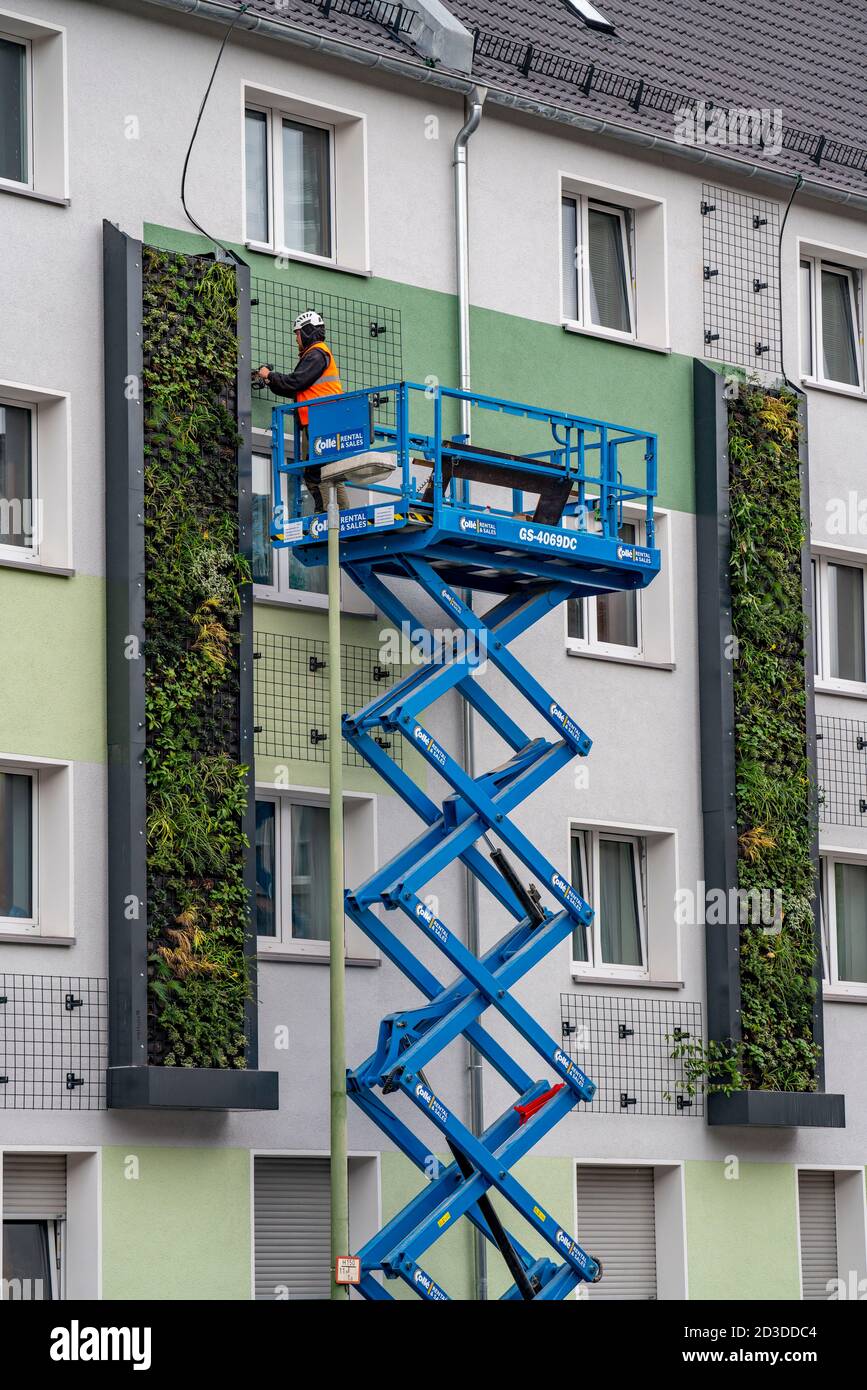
(451, 516)
(461, 506)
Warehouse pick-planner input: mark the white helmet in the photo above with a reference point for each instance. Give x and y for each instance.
(309, 319)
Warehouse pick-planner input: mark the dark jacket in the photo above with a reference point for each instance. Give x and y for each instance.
(308, 370)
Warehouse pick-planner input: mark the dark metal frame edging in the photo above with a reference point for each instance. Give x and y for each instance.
(716, 698)
(131, 1082)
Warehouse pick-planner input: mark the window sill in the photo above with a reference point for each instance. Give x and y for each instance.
(35, 193)
(305, 606)
(13, 938)
(836, 996)
(323, 261)
(299, 958)
(810, 384)
(36, 567)
(855, 692)
(636, 660)
(570, 327)
(626, 981)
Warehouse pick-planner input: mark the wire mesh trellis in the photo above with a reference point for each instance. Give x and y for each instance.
(291, 696)
(842, 769)
(53, 1042)
(740, 245)
(365, 338)
(625, 1046)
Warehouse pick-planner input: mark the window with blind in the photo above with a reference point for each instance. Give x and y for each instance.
(617, 1225)
(292, 1228)
(817, 1213)
(34, 1210)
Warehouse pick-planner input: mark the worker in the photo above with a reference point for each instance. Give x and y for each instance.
(315, 375)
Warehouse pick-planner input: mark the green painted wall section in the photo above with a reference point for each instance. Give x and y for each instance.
(181, 1228)
(551, 1181)
(522, 359)
(755, 1212)
(53, 703)
(450, 1260)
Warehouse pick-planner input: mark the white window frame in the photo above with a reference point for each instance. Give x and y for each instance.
(626, 217)
(283, 945)
(27, 926)
(821, 619)
(53, 856)
(590, 839)
(26, 552)
(276, 241)
(29, 182)
(833, 985)
(284, 938)
(589, 643)
(352, 599)
(818, 262)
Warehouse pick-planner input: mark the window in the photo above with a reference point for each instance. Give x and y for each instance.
(292, 871)
(15, 85)
(830, 322)
(17, 849)
(609, 622)
(289, 172)
(35, 476)
(598, 274)
(292, 868)
(839, 623)
(19, 528)
(36, 889)
(608, 871)
(34, 1217)
(33, 134)
(844, 924)
(278, 576)
(591, 16)
(277, 571)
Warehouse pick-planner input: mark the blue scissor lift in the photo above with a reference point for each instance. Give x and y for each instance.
(450, 516)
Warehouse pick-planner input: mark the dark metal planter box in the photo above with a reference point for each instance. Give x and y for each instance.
(191, 1088)
(778, 1109)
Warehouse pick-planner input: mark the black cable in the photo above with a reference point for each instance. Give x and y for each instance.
(199, 228)
(798, 184)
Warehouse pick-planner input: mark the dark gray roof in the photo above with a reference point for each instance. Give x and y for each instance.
(806, 57)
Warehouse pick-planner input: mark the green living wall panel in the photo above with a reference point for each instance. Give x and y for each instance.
(176, 1223)
(53, 687)
(521, 359)
(741, 1231)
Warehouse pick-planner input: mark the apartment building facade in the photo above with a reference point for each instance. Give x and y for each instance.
(611, 250)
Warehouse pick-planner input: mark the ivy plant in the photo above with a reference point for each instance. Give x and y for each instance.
(198, 907)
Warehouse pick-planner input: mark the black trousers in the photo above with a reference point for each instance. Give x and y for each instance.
(313, 479)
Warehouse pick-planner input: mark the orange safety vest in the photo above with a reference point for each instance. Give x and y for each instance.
(327, 385)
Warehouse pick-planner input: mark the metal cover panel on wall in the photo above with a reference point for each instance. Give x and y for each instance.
(292, 1228)
(617, 1225)
(34, 1186)
(817, 1211)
